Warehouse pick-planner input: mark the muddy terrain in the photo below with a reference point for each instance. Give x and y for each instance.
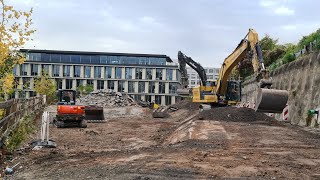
(222, 143)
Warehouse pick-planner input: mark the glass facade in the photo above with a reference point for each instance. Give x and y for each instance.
(100, 84)
(79, 82)
(118, 72)
(77, 71)
(152, 87)
(87, 71)
(169, 74)
(138, 73)
(162, 87)
(66, 71)
(111, 85)
(108, 72)
(173, 88)
(68, 83)
(59, 83)
(34, 69)
(24, 69)
(158, 74)
(128, 73)
(121, 86)
(141, 87)
(45, 68)
(97, 72)
(95, 59)
(55, 70)
(149, 73)
(131, 87)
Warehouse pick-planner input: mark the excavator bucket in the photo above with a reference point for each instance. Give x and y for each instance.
(94, 113)
(183, 92)
(271, 100)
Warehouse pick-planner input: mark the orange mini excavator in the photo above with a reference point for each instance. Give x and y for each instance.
(68, 113)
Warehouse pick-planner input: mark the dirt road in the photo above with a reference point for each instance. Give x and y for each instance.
(175, 148)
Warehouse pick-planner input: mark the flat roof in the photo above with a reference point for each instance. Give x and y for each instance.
(168, 59)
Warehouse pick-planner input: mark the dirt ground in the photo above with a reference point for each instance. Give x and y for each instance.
(179, 147)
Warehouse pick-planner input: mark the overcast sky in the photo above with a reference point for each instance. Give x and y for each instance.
(206, 30)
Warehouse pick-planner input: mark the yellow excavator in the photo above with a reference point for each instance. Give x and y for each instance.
(225, 92)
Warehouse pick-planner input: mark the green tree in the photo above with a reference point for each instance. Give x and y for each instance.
(267, 43)
(46, 86)
(85, 89)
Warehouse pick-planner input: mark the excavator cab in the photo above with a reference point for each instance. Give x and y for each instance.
(233, 94)
(66, 97)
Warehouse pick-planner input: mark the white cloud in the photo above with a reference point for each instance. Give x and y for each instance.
(147, 19)
(284, 11)
(278, 7)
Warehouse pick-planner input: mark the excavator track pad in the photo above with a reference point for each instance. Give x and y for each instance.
(271, 100)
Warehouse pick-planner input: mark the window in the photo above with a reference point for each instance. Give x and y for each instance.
(97, 72)
(159, 74)
(118, 72)
(210, 76)
(68, 83)
(77, 71)
(24, 69)
(206, 70)
(15, 70)
(85, 59)
(65, 58)
(162, 88)
(131, 87)
(108, 72)
(58, 83)
(66, 71)
(111, 85)
(172, 88)
(100, 84)
(148, 98)
(79, 82)
(75, 59)
(34, 69)
(33, 56)
(121, 86)
(158, 99)
(152, 87)
(168, 100)
(169, 74)
(45, 68)
(32, 94)
(128, 73)
(56, 70)
(141, 87)
(210, 70)
(148, 73)
(87, 71)
(55, 58)
(137, 97)
(26, 83)
(90, 82)
(95, 60)
(138, 73)
(193, 82)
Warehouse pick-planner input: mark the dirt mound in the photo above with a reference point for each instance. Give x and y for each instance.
(186, 104)
(233, 114)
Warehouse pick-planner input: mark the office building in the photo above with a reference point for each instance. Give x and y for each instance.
(193, 77)
(146, 77)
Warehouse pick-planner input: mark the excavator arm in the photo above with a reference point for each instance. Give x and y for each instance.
(268, 100)
(194, 65)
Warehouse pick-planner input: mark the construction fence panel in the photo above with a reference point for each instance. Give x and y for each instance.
(12, 111)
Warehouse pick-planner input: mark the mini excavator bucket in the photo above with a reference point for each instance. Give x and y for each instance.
(94, 113)
(271, 100)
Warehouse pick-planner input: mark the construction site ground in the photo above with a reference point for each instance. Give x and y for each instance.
(178, 147)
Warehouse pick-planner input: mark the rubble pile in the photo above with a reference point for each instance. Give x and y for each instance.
(106, 98)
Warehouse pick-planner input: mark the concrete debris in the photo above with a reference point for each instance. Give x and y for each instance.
(106, 98)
